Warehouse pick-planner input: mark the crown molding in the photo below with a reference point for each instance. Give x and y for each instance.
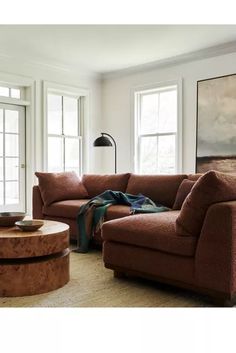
(56, 67)
(26, 61)
(217, 50)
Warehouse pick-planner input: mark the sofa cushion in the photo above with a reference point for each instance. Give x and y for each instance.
(66, 209)
(153, 231)
(117, 211)
(96, 183)
(183, 191)
(160, 188)
(113, 212)
(212, 187)
(70, 209)
(60, 186)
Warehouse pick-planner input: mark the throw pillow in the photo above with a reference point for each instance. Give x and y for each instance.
(212, 187)
(183, 191)
(60, 186)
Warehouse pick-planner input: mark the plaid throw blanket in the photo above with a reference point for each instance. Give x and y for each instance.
(91, 215)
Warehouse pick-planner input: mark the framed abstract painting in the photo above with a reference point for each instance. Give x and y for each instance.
(216, 124)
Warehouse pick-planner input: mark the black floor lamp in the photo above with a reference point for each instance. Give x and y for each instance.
(104, 141)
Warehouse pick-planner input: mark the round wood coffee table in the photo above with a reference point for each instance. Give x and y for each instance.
(34, 262)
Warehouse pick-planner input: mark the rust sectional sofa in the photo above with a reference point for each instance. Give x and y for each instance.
(192, 246)
(160, 188)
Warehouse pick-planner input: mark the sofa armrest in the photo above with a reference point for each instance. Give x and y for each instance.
(215, 259)
(37, 203)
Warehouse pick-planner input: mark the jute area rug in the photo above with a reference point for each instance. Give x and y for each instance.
(91, 285)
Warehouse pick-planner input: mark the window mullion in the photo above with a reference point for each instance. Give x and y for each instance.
(158, 134)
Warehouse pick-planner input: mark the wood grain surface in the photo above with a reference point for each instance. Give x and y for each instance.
(50, 239)
(34, 277)
(34, 262)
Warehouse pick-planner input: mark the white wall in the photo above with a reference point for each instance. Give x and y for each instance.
(117, 105)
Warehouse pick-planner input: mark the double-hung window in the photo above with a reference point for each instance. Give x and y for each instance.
(156, 130)
(64, 133)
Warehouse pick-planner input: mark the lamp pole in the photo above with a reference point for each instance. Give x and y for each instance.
(104, 133)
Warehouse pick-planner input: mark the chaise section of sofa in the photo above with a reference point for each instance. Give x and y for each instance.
(206, 264)
(151, 231)
(194, 248)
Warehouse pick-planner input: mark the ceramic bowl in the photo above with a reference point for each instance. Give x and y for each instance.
(30, 225)
(8, 219)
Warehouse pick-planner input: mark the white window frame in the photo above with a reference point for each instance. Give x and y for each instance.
(137, 92)
(27, 86)
(83, 97)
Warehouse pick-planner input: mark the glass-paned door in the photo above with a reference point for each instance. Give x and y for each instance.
(12, 158)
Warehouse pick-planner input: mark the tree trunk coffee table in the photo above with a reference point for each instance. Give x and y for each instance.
(34, 262)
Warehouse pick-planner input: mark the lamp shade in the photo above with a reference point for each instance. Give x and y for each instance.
(102, 141)
(106, 141)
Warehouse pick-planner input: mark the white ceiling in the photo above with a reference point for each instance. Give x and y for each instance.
(105, 48)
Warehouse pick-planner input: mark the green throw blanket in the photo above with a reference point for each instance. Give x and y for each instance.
(91, 215)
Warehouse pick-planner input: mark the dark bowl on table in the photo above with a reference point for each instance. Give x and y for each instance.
(8, 219)
(30, 225)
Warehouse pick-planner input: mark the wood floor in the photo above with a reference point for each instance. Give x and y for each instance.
(92, 285)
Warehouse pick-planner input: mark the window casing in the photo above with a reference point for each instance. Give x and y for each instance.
(64, 132)
(157, 128)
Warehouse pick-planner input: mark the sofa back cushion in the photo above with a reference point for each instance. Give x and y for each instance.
(60, 186)
(96, 184)
(160, 188)
(212, 187)
(183, 191)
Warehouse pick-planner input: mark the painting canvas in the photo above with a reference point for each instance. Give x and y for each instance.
(216, 125)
